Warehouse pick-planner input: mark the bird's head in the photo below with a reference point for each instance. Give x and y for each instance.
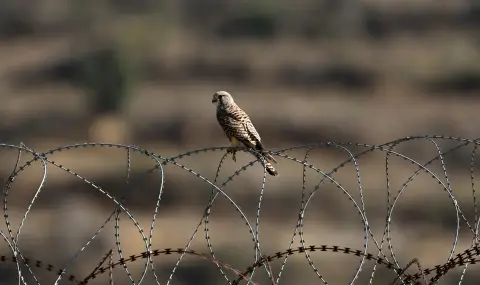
(222, 98)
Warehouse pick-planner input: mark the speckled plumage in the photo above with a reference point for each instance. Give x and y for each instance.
(239, 128)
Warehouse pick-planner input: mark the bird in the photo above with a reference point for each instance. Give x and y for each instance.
(239, 129)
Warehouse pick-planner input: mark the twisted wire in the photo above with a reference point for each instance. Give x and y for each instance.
(381, 257)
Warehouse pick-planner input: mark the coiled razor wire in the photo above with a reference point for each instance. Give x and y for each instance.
(462, 258)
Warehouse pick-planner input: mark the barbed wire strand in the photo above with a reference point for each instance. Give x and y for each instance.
(68, 147)
(14, 240)
(441, 269)
(463, 259)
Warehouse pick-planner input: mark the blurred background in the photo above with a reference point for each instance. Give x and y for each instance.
(143, 72)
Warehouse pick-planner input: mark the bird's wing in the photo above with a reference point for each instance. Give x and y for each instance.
(253, 134)
(254, 139)
(245, 132)
(232, 123)
(238, 124)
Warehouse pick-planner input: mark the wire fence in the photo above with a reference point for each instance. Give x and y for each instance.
(378, 249)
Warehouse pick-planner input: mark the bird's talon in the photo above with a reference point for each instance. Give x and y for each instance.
(233, 151)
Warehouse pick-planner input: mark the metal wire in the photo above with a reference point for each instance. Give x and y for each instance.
(386, 258)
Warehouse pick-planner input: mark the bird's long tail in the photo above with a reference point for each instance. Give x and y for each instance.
(270, 169)
(269, 157)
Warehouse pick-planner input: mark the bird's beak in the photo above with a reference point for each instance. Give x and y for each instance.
(214, 100)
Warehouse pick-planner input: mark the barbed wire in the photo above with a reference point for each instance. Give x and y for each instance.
(381, 257)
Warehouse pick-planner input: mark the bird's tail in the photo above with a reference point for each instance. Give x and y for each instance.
(269, 157)
(270, 169)
(259, 147)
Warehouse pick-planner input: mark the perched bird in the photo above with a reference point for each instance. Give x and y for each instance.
(239, 129)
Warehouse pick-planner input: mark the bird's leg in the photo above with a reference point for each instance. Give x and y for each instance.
(233, 151)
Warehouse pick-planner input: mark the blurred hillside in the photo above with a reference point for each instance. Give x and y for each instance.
(157, 64)
(143, 72)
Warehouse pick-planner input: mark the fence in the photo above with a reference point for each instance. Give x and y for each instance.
(378, 249)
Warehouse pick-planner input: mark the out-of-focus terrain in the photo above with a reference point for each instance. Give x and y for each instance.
(143, 72)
